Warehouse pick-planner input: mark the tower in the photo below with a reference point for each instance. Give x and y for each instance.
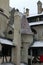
(16, 56)
(39, 5)
(4, 5)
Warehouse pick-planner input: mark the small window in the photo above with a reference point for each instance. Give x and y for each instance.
(10, 32)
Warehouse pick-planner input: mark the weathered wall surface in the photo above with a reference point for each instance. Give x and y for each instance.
(27, 38)
(4, 4)
(17, 39)
(3, 24)
(39, 30)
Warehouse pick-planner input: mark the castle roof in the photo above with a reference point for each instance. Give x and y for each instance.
(36, 15)
(37, 44)
(6, 41)
(25, 28)
(36, 23)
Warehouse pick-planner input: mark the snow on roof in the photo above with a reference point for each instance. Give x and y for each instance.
(35, 23)
(37, 44)
(34, 15)
(5, 41)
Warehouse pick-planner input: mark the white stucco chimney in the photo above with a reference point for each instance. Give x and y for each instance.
(27, 12)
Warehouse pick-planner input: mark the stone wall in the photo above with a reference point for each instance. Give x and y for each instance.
(4, 4)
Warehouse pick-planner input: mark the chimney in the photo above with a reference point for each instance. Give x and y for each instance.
(27, 12)
(39, 5)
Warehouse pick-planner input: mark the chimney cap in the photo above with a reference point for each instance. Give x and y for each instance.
(39, 2)
(27, 9)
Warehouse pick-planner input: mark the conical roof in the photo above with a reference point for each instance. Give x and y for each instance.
(25, 28)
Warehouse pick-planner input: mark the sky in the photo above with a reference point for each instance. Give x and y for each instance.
(21, 4)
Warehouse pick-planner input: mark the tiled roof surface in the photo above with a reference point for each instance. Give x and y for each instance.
(25, 28)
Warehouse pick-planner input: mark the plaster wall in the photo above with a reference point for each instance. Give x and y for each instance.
(4, 4)
(39, 30)
(27, 38)
(17, 39)
(3, 24)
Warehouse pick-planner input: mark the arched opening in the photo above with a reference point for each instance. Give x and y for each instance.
(10, 32)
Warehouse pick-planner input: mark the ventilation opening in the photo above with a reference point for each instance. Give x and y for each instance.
(10, 32)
